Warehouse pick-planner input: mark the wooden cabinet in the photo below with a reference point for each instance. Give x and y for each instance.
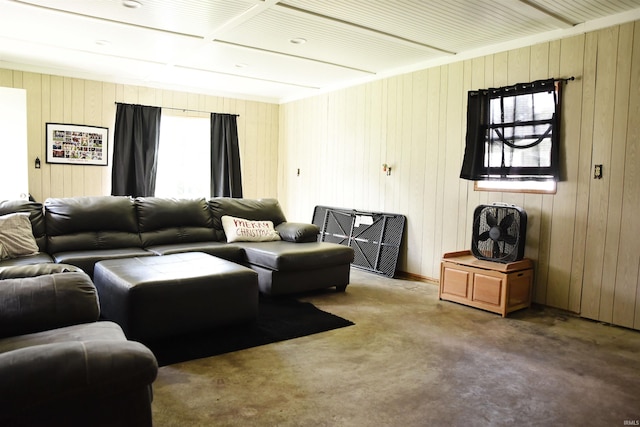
(496, 287)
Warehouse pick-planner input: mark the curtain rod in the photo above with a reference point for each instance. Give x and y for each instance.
(184, 110)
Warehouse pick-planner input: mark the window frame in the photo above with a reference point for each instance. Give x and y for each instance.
(480, 138)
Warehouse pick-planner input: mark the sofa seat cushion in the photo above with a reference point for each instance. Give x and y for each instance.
(94, 331)
(38, 258)
(287, 256)
(230, 252)
(87, 259)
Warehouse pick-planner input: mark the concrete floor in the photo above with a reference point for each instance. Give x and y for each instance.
(412, 360)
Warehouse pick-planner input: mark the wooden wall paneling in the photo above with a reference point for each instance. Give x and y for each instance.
(584, 171)
(77, 117)
(626, 304)
(56, 116)
(539, 53)
(464, 216)
(372, 139)
(297, 156)
(255, 132)
(33, 85)
(6, 78)
(401, 174)
(357, 156)
(350, 196)
(285, 139)
(44, 175)
(616, 150)
(453, 155)
(244, 126)
(383, 129)
(253, 153)
(306, 148)
(370, 158)
(430, 254)
(392, 131)
(67, 170)
(336, 142)
(270, 151)
(405, 144)
(334, 125)
(592, 286)
(93, 175)
(274, 132)
(416, 156)
(562, 234)
(441, 101)
(108, 119)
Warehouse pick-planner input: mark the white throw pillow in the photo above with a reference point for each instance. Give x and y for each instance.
(16, 236)
(244, 230)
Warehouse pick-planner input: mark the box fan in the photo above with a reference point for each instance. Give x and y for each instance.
(499, 232)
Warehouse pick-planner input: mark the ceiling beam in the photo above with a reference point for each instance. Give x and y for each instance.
(353, 26)
(559, 21)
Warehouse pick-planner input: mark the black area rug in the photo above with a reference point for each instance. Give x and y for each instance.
(279, 319)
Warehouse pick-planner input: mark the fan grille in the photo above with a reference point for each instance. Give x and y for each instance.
(499, 233)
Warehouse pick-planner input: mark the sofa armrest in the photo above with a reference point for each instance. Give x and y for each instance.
(34, 304)
(42, 374)
(298, 232)
(33, 270)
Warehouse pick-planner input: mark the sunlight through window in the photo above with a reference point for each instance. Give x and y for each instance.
(184, 157)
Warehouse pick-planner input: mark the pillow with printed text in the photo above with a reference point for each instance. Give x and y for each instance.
(244, 230)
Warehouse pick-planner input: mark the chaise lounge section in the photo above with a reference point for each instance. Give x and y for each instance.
(82, 231)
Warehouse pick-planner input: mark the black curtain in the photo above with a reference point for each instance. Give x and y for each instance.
(135, 151)
(226, 179)
(513, 132)
(477, 119)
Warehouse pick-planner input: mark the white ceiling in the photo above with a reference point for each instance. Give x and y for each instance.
(243, 48)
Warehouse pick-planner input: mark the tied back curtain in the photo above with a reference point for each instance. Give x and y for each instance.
(135, 152)
(226, 178)
(513, 133)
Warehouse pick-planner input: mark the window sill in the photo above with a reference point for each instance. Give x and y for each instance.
(538, 187)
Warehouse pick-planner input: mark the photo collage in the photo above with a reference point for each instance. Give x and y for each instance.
(77, 145)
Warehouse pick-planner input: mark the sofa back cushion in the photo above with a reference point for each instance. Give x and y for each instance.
(251, 209)
(36, 216)
(165, 221)
(91, 223)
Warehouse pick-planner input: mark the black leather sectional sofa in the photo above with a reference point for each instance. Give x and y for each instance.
(61, 366)
(82, 231)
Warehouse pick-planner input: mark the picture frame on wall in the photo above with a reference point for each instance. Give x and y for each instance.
(77, 144)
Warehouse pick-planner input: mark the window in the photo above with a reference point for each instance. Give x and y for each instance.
(512, 139)
(184, 157)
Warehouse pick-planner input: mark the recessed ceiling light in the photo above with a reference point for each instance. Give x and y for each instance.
(298, 40)
(132, 4)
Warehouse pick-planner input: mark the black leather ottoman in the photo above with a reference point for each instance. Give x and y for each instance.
(160, 296)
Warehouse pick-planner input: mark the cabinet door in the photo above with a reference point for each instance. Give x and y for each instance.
(487, 289)
(455, 282)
